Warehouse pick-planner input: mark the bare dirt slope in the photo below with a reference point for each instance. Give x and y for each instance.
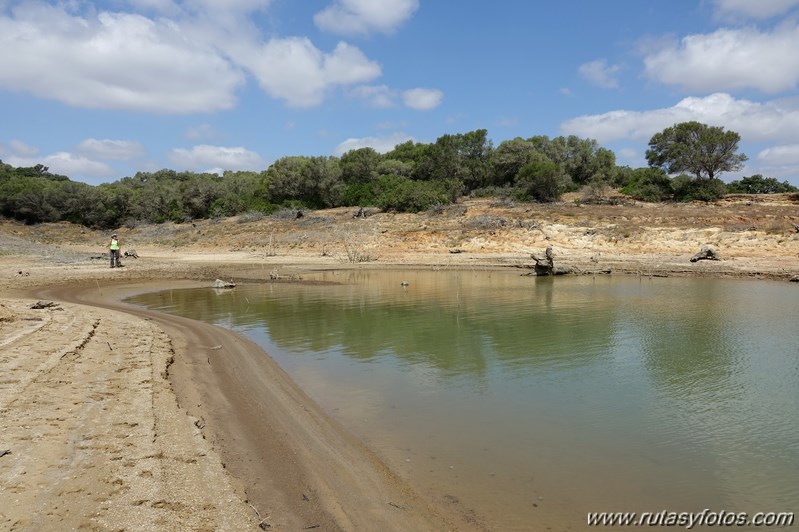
(753, 235)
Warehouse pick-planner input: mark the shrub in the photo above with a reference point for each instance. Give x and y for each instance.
(687, 188)
(402, 194)
(757, 184)
(543, 181)
(648, 184)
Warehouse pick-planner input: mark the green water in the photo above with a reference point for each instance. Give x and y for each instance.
(524, 403)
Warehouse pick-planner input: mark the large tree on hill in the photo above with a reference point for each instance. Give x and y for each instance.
(702, 150)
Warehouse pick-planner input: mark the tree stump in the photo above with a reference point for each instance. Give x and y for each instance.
(705, 253)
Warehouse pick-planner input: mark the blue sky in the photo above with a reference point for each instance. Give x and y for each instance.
(100, 90)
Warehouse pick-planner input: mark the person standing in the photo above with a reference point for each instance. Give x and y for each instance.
(113, 246)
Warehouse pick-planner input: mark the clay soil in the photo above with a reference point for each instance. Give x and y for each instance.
(116, 418)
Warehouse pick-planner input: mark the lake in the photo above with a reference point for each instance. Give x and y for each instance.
(528, 402)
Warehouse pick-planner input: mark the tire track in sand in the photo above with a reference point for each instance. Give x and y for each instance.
(96, 438)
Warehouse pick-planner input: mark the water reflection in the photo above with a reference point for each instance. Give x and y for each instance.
(601, 393)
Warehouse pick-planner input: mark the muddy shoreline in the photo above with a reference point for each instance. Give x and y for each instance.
(293, 464)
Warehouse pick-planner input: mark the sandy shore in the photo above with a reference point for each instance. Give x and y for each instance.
(118, 418)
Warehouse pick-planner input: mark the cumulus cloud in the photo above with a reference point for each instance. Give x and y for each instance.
(201, 132)
(769, 121)
(211, 158)
(65, 163)
(23, 149)
(351, 17)
(112, 60)
(422, 99)
(118, 150)
(379, 144)
(191, 56)
(600, 73)
(629, 154)
(379, 96)
(783, 155)
(760, 9)
(730, 59)
(294, 70)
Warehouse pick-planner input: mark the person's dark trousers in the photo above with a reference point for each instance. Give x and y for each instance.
(114, 258)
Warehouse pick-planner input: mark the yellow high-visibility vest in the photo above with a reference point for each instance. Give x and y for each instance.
(114, 243)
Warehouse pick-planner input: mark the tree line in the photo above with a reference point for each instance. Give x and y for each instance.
(412, 177)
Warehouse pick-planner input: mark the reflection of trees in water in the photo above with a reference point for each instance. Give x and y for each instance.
(686, 339)
(459, 327)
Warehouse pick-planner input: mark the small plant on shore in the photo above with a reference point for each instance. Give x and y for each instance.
(356, 250)
(251, 216)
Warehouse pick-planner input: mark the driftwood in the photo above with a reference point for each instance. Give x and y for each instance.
(705, 253)
(544, 265)
(219, 283)
(45, 304)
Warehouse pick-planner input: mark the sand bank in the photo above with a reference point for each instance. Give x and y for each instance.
(118, 417)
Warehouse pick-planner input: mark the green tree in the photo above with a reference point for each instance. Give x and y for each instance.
(543, 181)
(702, 150)
(757, 184)
(360, 166)
(509, 157)
(647, 184)
(313, 181)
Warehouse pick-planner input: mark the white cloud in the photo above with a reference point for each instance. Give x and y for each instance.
(112, 60)
(201, 132)
(294, 70)
(566, 91)
(203, 157)
(22, 149)
(118, 150)
(769, 121)
(730, 59)
(379, 96)
(600, 73)
(786, 154)
(350, 17)
(379, 144)
(629, 154)
(759, 9)
(422, 99)
(65, 163)
(192, 58)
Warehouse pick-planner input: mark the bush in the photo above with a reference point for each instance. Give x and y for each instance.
(686, 188)
(648, 184)
(543, 181)
(757, 184)
(402, 194)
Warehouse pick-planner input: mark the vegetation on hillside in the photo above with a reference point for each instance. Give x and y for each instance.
(411, 177)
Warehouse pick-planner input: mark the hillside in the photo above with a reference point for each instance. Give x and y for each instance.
(753, 235)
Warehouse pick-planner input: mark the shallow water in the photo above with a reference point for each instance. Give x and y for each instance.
(526, 403)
